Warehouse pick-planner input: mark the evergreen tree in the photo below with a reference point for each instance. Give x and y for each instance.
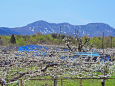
(1, 42)
(12, 39)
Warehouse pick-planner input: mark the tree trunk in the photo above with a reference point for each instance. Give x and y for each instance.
(80, 82)
(103, 82)
(55, 82)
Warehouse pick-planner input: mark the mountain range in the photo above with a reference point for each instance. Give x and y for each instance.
(91, 29)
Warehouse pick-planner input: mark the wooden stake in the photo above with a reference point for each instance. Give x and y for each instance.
(61, 82)
(21, 83)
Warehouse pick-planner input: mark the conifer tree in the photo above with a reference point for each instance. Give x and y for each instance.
(12, 39)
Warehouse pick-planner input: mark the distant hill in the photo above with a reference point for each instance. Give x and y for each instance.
(7, 31)
(91, 29)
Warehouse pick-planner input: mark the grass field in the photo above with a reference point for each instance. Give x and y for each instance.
(86, 82)
(66, 82)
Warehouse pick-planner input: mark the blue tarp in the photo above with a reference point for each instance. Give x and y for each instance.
(93, 54)
(86, 54)
(31, 48)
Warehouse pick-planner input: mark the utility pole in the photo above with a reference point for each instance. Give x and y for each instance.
(76, 33)
(60, 35)
(76, 36)
(103, 43)
(60, 31)
(111, 41)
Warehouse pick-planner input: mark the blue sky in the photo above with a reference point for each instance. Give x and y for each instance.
(16, 13)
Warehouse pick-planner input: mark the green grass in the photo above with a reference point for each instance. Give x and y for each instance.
(69, 83)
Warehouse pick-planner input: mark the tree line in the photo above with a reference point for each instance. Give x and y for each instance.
(57, 39)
